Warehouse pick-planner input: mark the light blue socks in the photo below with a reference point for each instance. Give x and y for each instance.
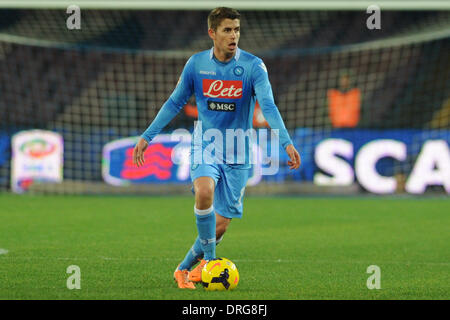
(194, 254)
(206, 226)
(205, 244)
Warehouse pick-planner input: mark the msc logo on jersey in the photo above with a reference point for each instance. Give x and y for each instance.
(221, 106)
(228, 89)
(238, 71)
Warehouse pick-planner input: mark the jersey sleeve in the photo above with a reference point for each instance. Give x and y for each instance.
(264, 95)
(181, 94)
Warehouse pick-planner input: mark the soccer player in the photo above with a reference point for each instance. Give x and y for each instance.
(226, 82)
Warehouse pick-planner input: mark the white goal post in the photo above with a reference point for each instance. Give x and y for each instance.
(238, 4)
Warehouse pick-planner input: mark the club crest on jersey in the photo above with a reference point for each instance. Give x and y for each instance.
(227, 89)
(238, 71)
(221, 106)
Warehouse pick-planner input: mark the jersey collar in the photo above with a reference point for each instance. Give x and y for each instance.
(236, 56)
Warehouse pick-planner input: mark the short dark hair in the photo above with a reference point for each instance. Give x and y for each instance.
(217, 15)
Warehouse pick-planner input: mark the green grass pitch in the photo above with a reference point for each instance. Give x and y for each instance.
(284, 248)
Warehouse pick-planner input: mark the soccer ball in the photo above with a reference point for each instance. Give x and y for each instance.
(220, 274)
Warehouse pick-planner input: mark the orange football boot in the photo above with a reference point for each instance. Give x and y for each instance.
(181, 278)
(196, 274)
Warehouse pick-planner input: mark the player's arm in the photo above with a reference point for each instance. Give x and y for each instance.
(264, 95)
(169, 110)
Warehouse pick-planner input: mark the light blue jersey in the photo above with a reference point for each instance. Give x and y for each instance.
(225, 94)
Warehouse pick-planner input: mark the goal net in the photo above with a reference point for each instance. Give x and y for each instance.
(368, 109)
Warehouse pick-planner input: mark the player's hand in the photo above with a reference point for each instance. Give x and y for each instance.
(138, 152)
(293, 154)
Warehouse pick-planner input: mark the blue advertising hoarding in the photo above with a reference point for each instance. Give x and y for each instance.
(329, 157)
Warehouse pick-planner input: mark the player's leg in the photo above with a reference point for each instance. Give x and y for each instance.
(228, 203)
(205, 216)
(195, 254)
(204, 180)
(222, 224)
(206, 222)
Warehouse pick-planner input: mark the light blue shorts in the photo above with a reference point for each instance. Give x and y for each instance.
(230, 185)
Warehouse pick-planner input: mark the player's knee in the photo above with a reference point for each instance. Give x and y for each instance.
(204, 197)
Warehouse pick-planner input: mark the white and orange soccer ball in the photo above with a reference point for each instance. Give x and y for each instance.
(219, 275)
